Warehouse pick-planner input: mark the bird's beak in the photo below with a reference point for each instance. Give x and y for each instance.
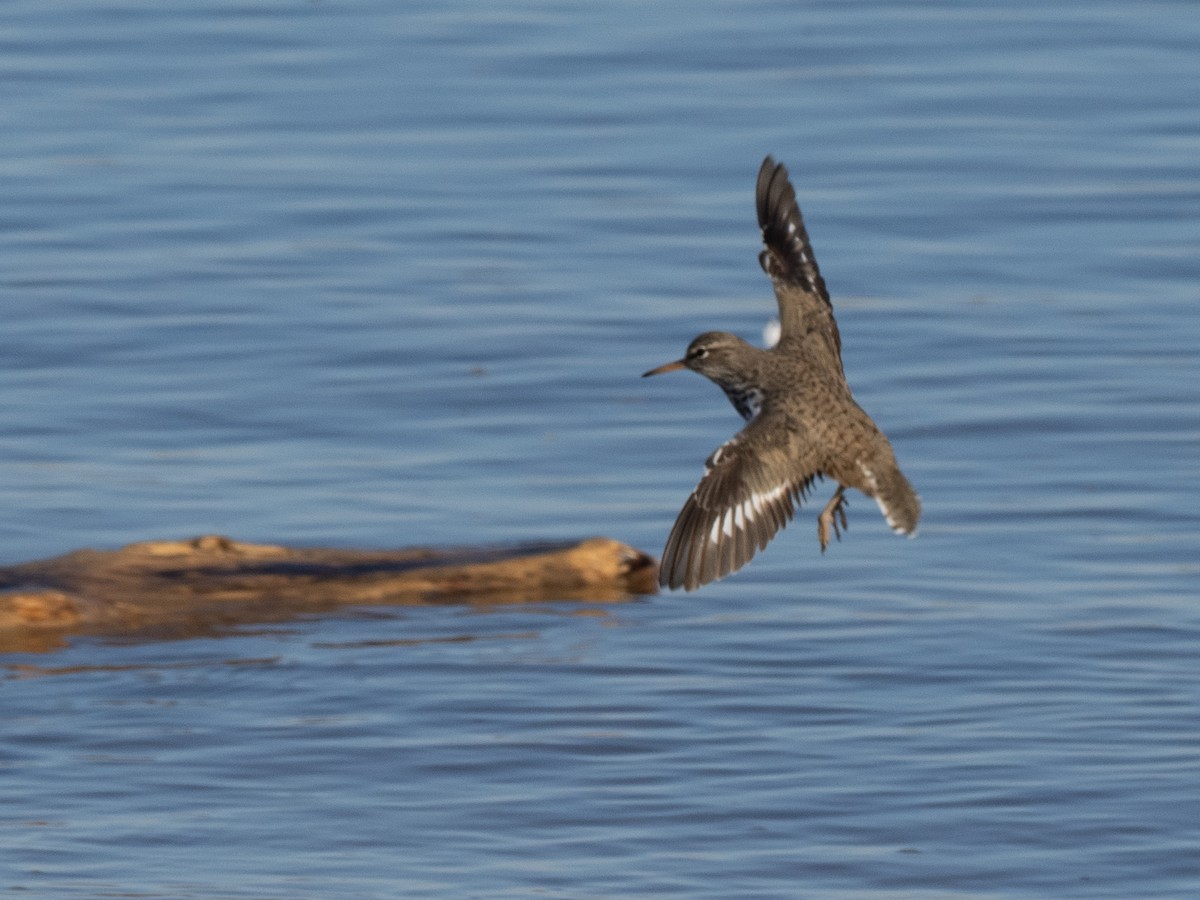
(669, 367)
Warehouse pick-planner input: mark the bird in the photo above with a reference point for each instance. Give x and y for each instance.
(802, 422)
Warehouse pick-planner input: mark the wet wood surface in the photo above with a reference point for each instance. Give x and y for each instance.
(210, 584)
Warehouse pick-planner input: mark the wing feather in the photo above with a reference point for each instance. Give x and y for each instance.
(789, 261)
(741, 503)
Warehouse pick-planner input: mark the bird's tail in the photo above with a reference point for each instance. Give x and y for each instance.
(897, 500)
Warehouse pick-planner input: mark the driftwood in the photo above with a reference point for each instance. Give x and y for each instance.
(212, 583)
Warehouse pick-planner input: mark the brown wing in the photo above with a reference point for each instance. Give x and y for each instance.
(789, 261)
(742, 501)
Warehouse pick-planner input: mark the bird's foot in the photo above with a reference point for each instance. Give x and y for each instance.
(833, 516)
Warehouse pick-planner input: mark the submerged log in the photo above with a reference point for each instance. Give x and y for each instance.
(212, 583)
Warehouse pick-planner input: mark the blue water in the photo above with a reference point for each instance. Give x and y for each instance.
(377, 274)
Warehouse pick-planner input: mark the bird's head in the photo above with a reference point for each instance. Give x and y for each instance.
(715, 354)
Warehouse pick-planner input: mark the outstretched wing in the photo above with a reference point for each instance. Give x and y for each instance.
(788, 260)
(749, 491)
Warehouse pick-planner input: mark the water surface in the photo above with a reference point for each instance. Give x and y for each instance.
(376, 275)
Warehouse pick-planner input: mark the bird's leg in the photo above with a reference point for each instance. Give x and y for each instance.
(834, 510)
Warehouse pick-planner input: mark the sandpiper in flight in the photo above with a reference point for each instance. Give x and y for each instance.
(803, 421)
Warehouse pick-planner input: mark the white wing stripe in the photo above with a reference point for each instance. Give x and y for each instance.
(740, 517)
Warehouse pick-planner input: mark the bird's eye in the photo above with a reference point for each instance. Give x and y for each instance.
(699, 353)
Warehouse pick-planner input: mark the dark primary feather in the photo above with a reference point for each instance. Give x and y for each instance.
(789, 261)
